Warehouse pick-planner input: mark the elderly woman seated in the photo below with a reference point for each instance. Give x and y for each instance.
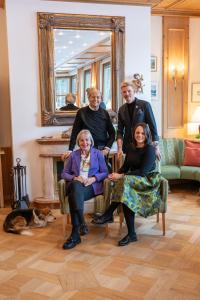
(84, 172)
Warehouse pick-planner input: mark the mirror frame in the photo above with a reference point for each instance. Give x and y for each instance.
(47, 22)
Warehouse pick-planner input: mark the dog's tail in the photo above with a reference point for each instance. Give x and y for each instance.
(21, 231)
(26, 232)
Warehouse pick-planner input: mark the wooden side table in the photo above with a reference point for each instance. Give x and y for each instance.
(1, 182)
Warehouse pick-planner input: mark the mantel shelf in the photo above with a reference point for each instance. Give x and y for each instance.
(52, 141)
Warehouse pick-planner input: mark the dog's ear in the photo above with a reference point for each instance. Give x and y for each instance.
(45, 211)
(36, 217)
(37, 211)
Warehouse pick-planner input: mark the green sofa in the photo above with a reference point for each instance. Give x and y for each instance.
(171, 165)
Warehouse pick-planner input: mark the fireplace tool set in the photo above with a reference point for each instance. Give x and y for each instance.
(21, 199)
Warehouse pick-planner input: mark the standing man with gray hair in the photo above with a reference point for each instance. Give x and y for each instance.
(97, 121)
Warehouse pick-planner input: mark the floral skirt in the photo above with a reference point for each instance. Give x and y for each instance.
(141, 194)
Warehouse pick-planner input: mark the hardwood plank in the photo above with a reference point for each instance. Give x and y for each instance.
(154, 268)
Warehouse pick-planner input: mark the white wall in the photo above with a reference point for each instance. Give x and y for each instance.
(24, 70)
(194, 70)
(156, 77)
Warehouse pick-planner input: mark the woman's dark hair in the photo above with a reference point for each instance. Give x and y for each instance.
(147, 133)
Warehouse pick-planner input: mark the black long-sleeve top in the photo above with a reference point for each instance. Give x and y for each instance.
(139, 161)
(98, 123)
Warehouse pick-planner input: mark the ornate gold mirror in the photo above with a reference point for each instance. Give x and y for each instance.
(77, 52)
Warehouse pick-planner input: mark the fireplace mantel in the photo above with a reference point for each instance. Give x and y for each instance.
(50, 148)
(53, 141)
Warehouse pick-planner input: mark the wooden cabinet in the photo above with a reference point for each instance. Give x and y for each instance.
(1, 183)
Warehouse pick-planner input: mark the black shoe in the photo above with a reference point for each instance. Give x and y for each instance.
(83, 229)
(126, 240)
(103, 220)
(71, 243)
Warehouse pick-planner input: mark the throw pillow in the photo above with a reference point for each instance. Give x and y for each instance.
(192, 144)
(191, 157)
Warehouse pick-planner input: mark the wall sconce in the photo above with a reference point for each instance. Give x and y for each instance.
(177, 72)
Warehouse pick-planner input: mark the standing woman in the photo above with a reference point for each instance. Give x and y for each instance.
(137, 185)
(84, 172)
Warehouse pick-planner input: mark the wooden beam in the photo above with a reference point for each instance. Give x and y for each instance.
(175, 12)
(124, 2)
(2, 3)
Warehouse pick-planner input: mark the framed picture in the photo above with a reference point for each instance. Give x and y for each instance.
(153, 63)
(196, 92)
(154, 91)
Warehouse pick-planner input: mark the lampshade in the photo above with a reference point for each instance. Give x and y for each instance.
(196, 115)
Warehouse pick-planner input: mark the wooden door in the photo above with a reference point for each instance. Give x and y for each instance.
(175, 76)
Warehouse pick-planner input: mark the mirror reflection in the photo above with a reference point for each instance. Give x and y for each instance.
(82, 58)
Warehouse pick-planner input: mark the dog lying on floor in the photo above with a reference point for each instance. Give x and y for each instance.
(19, 221)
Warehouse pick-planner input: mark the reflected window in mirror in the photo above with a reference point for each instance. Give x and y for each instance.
(106, 87)
(86, 85)
(62, 89)
(74, 85)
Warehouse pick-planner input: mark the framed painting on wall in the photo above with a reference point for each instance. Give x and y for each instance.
(153, 63)
(154, 90)
(196, 92)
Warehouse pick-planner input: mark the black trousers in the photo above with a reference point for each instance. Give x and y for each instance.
(129, 216)
(78, 193)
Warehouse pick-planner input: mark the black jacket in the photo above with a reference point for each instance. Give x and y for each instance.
(142, 113)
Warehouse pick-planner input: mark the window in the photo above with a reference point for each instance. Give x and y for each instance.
(73, 84)
(62, 89)
(106, 88)
(87, 83)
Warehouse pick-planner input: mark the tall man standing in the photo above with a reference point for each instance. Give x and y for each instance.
(132, 112)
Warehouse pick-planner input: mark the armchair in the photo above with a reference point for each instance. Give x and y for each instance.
(96, 205)
(163, 205)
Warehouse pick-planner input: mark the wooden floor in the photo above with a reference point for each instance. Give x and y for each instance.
(155, 267)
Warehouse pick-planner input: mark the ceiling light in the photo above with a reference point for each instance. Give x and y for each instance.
(77, 36)
(70, 42)
(60, 33)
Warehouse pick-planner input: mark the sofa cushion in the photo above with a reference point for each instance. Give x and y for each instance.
(188, 172)
(170, 172)
(191, 156)
(169, 151)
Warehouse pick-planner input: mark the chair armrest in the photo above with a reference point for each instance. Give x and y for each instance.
(103, 201)
(164, 195)
(64, 205)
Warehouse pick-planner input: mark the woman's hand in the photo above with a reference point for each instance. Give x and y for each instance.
(115, 176)
(80, 179)
(89, 181)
